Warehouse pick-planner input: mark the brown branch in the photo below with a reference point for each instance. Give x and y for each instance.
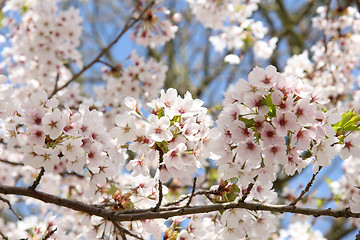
(64, 173)
(143, 214)
(37, 180)
(161, 159)
(203, 192)
(125, 231)
(4, 237)
(48, 235)
(130, 23)
(11, 163)
(10, 207)
(248, 190)
(2, 4)
(307, 188)
(56, 82)
(192, 192)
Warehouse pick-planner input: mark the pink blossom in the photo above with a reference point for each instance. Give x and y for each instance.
(285, 122)
(53, 123)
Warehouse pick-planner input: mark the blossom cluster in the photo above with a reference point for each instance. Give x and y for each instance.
(43, 42)
(140, 81)
(153, 30)
(177, 128)
(334, 58)
(273, 119)
(121, 159)
(237, 29)
(332, 68)
(59, 139)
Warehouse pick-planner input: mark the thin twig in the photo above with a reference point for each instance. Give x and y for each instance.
(10, 207)
(4, 237)
(357, 237)
(11, 163)
(37, 180)
(2, 4)
(107, 64)
(48, 235)
(357, 125)
(248, 190)
(160, 197)
(130, 23)
(192, 192)
(56, 82)
(64, 173)
(202, 192)
(161, 158)
(125, 231)
(307, 188)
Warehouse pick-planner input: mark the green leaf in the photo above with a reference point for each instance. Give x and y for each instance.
(248, 122)
(328, 180)
(348, 122)
(161, 113)
(346, 117)
(319, 203)
(24, 9)
(112, 189)
(306, 154)
(352, 128)
(2, 16)
(267, 101)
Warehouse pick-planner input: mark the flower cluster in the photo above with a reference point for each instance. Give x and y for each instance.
(334, 58)
(238, 31)
(42, 43)
(140, 81)
(151, 163)
(267, 121)
(300, 230)
(273, 119)
(177, 128)
(63, 139)
(153, 31)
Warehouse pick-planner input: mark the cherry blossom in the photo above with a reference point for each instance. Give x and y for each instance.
(139, 149)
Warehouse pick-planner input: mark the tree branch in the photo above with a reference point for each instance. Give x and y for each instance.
(4, 237)
(10, 207)
(248, 190)
(130, 23)
(307, 188)
(161, 159)
(143, 214)
(192, 192)
(37, 180)
(125, 231)
(11, 163)
(184, 197)
(48, 235)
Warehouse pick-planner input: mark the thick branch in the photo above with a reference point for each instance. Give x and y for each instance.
(143, 214)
